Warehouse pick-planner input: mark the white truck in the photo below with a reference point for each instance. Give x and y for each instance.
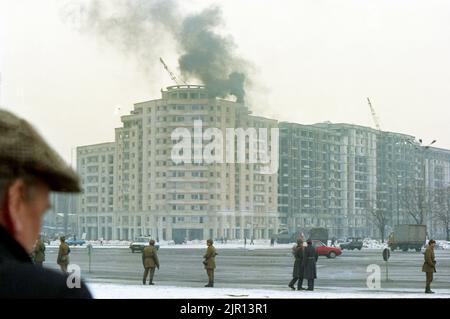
(407, 237)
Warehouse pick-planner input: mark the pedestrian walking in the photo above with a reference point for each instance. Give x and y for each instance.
(210, 262)
(272, 241)
(150, 261)
(63, 255)
(29, 170)
(310, 270)
(429, 265)
(39, 252)
(251, 241)
(297, 274)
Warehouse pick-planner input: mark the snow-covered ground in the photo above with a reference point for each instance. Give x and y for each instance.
(442, 244)
(232, 244)
(117, 291)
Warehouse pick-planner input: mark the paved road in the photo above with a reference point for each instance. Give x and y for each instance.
(259, 268)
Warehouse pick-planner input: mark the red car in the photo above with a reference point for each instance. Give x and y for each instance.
(323, 250)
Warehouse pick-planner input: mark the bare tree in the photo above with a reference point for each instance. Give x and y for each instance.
(441, 208)
(413, 199)
(377, 216)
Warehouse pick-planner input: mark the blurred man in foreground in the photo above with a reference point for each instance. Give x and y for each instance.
(29, 170)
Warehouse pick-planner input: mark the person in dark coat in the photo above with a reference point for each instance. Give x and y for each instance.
(297, 274)
(310, 259)
(63, 255)
(429, 265)
(29, 170)
(210, 262)
(39, 252)
(150, 261)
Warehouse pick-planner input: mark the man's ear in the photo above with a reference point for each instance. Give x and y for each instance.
(14, 201)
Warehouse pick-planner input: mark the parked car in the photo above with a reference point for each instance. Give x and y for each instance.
(323, 250)
(352, 243)
(75, 242)
(140, 243)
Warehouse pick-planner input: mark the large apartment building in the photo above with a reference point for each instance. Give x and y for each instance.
(147, 193)
(95, 164)
(326, 174)
(329, 175)
(338, 175)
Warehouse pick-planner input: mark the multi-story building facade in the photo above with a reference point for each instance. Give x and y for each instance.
(437, 174)
(327, 175)
(340, 176)
(330, 175)
(62, 216)
(155, 196)
(96, 164)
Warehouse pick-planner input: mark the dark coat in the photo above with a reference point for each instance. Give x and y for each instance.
(429, 264)
(210, 257)
(39, 251)
(311, 256)
(20, 278)
(299, 253)
(63, 254)
(150, 257)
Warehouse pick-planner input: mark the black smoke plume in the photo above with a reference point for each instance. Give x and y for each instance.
(139, 27)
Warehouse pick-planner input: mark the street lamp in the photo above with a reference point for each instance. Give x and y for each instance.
(420, 145)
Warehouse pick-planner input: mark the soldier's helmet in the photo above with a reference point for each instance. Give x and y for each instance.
(152, 242)
(209, 241)
(62, 238)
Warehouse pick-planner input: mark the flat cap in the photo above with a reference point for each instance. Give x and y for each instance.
(23, 149)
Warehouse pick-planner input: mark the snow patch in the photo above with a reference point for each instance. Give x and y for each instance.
(116, 291)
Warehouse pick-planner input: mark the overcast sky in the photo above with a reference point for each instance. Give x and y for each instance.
(312, 61)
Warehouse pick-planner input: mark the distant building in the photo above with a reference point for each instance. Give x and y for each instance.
(329, 175)
(61, 218)
(332, 175)
(138, 189)
(96, 164)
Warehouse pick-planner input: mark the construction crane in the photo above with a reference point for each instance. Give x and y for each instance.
(172, 76)
(374, 115)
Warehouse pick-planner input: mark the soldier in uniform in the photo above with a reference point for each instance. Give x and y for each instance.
(210, 262)
(29, 170)
(39, 252)
(63, 255)
(150, 261)
(310, 271)
(429, 265)
(298, 251)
